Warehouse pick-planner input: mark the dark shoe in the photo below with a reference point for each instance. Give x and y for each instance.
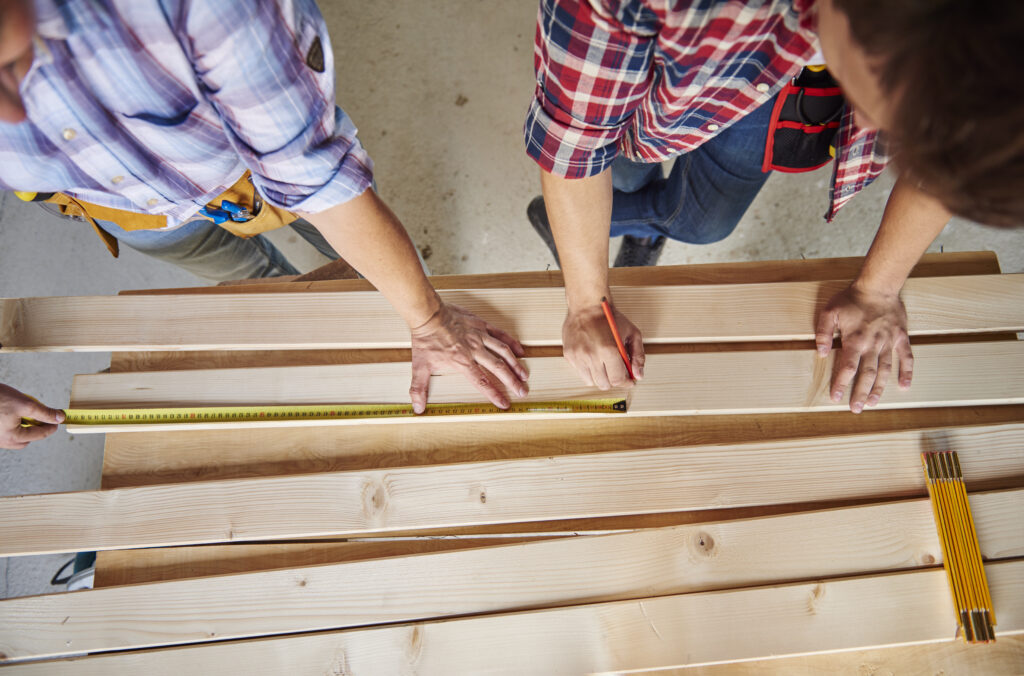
(637, 252)
(538, 216)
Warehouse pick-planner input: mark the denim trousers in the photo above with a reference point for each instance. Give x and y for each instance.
(210, 251)
(706, 193)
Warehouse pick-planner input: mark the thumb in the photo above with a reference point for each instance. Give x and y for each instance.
(824, 330)
(41, 413)
(635, 346)
(419, 388)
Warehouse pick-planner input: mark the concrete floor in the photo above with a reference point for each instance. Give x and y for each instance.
(439, 92)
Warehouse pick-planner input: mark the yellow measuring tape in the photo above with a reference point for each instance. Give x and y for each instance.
(143, 416)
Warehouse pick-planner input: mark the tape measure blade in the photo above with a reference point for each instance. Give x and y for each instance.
(228, 414)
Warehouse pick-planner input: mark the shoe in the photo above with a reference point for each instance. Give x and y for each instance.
(538, 216)
(637, 252)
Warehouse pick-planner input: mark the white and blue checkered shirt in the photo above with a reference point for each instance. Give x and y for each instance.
(157, 106)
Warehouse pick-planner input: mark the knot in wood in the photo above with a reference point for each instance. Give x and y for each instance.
(704, 544)
(375, 499)
(815, 597)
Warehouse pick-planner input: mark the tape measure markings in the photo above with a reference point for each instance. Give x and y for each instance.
(136, 416)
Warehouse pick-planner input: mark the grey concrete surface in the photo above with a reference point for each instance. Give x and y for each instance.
(439, 91)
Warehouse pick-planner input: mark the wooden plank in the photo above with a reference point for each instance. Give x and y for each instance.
(746, 272)
(1002, 658)
(675, 384)
(651, 633)
(820, 545)
(139, 458)
(784, 311)
(533, 489)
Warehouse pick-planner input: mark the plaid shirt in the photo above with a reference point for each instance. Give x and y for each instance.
(652, 82)
(157, 106)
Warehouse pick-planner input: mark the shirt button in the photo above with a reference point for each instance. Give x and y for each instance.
(117, 179)
(763, 87)
(152, 201)
(713, 127)
(69, 134)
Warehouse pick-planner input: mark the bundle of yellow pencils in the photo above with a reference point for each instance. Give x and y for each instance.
(961, 556)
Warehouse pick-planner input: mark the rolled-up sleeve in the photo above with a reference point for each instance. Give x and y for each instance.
(593, 62)
(267, 68)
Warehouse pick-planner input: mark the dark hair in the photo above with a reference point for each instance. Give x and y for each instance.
(953, 70)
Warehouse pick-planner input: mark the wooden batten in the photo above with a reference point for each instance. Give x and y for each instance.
(533, 489)
(363, 320)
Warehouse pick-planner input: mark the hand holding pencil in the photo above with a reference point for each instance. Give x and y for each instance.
(604, 346)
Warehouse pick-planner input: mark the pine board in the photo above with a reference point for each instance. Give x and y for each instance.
(533, 489)
(952, 374)
(140, 458)
(1002, 658)
(362, 320)
(833, 543)
(652, 633)
(747, 272)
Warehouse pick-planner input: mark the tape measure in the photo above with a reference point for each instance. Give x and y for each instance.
(215, 414)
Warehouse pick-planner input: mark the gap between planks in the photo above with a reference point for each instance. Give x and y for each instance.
(363, 320)
(535, 489)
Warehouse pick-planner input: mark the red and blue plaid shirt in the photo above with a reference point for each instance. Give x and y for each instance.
(652, 82)
(157, 106)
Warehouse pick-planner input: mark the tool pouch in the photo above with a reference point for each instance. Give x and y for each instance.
(804, 123)
(264, 216)
(243, 192)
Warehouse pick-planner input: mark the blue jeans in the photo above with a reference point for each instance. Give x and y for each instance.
(210, 251)
(705, 194)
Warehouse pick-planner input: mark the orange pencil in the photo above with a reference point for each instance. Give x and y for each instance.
(618, 339)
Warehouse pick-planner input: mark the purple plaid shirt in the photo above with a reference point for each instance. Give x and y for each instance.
(157, 106)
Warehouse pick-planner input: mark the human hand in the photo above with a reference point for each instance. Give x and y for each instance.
(456, 338)
(871, 325)
(589, 346)
(13, 407)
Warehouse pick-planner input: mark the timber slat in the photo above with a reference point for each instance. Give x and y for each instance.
(364, 320)
(819, 545)
(674, 384)
(650, 633)
(949, 264)
(533, 489)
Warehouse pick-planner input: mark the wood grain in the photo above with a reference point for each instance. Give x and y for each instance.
(533, 489)
(746, 272)
(675, 384)
(1002, 658)
(362, 320)
(652, 633)
(819, 545)
(140, 458)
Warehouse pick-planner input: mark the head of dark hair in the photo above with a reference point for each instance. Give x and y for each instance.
(952, 70)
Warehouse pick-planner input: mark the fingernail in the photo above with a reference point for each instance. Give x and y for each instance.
(857, 408)
(836, 396)
(873, 400)
(60, 416)
(639, 372)
(417, 408)
(822, 350)
(521, 391)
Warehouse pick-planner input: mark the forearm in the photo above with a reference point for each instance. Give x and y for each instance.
(366, 233)
(580, 212)
(911, 222)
